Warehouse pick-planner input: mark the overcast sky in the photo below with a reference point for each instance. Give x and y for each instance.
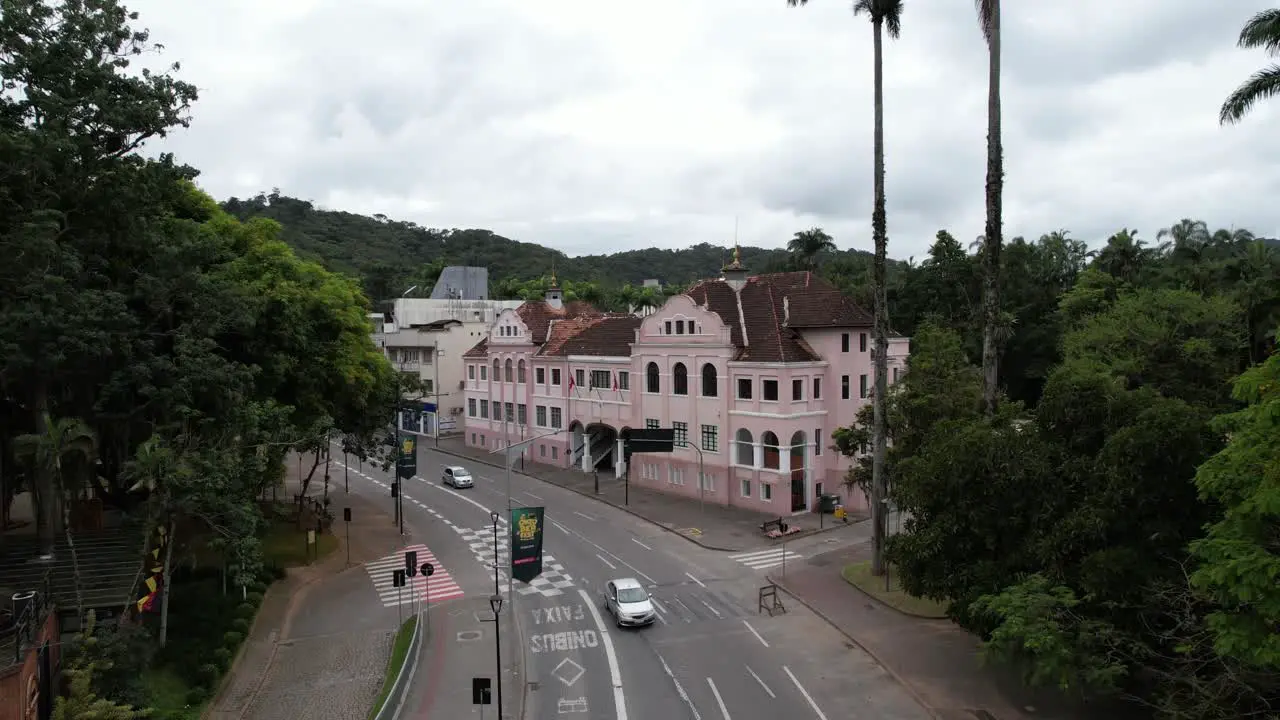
(593, 126)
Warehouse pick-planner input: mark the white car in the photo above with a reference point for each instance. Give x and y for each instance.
(458, 477)
(629, 603)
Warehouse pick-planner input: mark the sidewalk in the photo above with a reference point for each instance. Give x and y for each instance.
(935, 659)
(711, 525)
(307, 654)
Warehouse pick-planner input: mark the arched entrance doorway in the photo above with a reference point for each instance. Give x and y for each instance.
(603, 443)
(799, 495)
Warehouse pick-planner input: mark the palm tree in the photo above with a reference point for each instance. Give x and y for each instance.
(884, 15)
(807, 245)
(1262, 31)
(153, 467)
(47, 454)
(989, 18)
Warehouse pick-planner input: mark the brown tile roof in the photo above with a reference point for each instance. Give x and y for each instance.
(602, 336)
(774, 306)
(764, 319)
(479, 350)
(538, 315)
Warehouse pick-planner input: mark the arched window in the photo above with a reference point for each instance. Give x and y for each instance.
(679, 380)
(709, 385)
(520, 372)
(497, 370)
(651, 378)
(746, 449)
(508, 376)
(770, 443)
(797, 453)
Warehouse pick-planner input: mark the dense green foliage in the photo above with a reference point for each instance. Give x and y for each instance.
(390, 256)
(1112, 528)
(155, 352)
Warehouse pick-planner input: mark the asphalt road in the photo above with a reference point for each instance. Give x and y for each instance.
(710, 655)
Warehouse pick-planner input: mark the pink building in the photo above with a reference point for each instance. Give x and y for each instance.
(753, 374)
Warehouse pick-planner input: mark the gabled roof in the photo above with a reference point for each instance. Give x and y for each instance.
(602, 336)
(765, 319)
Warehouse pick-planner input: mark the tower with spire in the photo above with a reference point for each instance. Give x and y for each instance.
(554, 296)
(734, 274)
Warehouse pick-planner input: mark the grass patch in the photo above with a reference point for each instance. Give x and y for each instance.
(859, 575)
(399, 651)
(169, 696)
(284, 545)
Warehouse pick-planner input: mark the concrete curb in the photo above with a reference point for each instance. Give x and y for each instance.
(592, 496)
(521, 676)
(933, 712)
(394, 703)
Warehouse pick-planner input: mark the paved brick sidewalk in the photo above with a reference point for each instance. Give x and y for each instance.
(305, 655)
(935, 659)
(711, 524)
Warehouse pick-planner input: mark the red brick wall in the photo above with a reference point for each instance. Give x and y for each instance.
(18, 683)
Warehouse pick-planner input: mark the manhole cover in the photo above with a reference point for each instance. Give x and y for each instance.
(469, 635)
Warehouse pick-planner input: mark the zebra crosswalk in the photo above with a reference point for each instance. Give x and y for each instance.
(765, 559)
(439, 587)
(681, 604)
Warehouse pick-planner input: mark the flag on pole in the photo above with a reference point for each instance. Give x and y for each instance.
(571, 385)
(615, 383)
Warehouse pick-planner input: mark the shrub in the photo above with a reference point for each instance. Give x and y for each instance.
(223, 658)
(255, 598)
(241, 625)
(197, 695)
(231, 639)
(209, 674)
(245, 610)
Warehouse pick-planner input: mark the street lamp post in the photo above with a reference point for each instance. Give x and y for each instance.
(435, 388)
(495, 603)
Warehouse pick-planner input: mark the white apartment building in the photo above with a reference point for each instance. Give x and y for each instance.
(426, 338)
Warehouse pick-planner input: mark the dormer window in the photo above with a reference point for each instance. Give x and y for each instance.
(667, 327)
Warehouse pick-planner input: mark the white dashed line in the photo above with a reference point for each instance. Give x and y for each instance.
(757, 677)
(753, 632)
(691, 577)
(646, 547)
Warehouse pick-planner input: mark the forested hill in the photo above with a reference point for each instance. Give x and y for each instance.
(376, 248)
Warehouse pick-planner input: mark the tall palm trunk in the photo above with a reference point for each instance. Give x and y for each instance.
(71, 546)
(879, 233)
(995, 191)
(44, 485)
(165, 578)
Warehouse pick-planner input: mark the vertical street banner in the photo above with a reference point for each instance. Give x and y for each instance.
(407, 462)
(155, 564)
(526, 543)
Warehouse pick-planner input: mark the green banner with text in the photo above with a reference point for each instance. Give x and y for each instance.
(526, 543)
(407, 460)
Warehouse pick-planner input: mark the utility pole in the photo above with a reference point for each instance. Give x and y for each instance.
(435, 388)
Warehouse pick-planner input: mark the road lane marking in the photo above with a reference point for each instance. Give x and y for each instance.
(562, 528)
(606, 562)
(575, 512)
(680, 689)
(805, 693)
(719, 700)
(535, 497)
(757, 677)
(753, 632)
(708, 606)
(464, 498)
(691, 577)
(658, 605)
(646, 547)
(584, 538)
(619, 700)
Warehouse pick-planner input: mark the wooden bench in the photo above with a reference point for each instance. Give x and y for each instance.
(778, 525)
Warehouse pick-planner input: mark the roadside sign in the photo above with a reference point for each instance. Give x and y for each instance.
(526, 543)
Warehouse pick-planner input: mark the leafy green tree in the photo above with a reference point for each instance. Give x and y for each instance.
(1240, 555)
(52, 456)
(1262, 31)
(81, 702)
(807, 246)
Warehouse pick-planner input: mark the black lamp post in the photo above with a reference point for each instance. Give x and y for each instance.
(495, 602)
